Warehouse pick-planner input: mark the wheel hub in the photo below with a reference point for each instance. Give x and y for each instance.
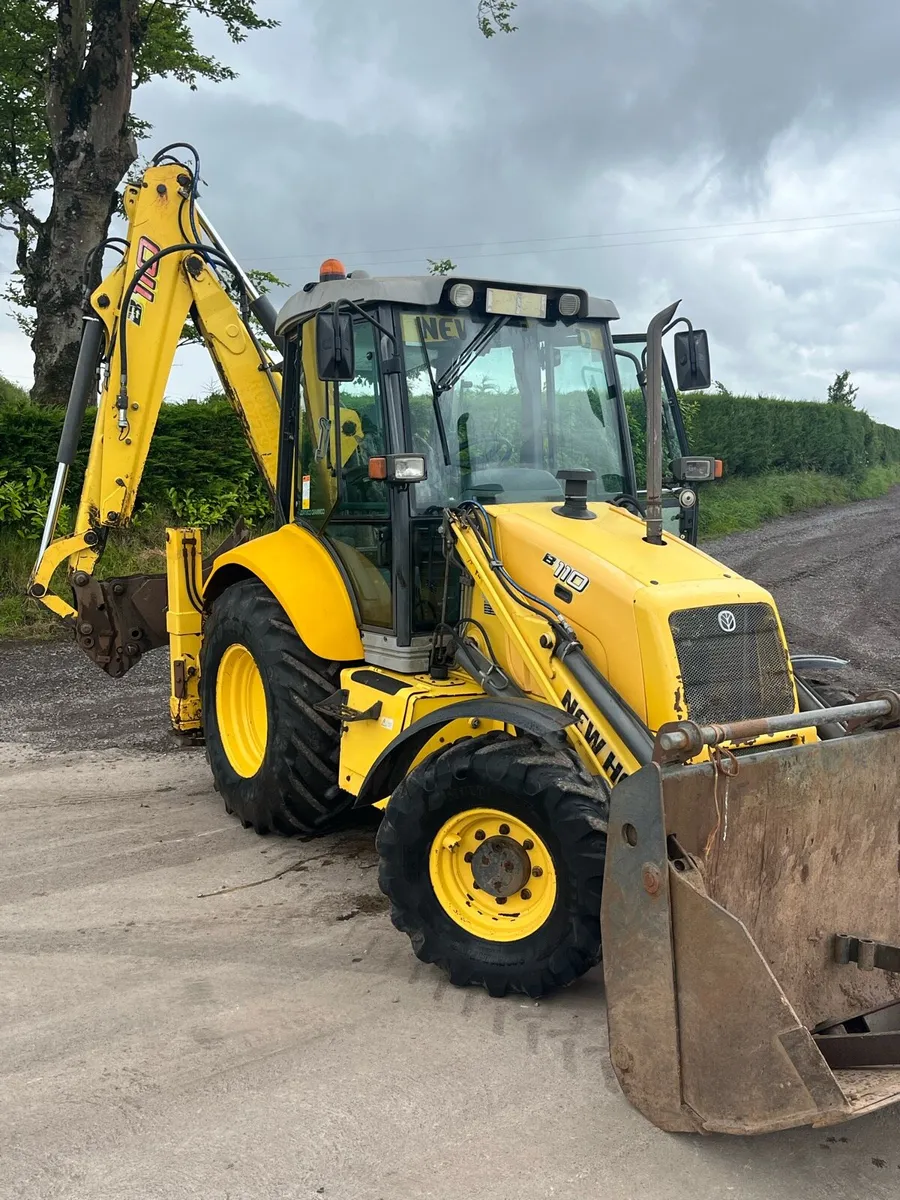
(501, 866)
(492, 874)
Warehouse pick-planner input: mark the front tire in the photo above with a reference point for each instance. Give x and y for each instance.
(273, 756)
(492, 853)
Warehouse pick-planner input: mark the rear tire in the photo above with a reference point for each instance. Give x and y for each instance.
(552, 809)
(276, 771)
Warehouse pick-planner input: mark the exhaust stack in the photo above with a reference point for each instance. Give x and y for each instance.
(655, 330)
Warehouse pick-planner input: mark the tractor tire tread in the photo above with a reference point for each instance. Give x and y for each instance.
(572, 804)
(296, 790)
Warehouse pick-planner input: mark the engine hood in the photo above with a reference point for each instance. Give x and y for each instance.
(618, 592)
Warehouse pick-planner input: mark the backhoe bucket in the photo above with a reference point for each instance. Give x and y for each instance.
(751, 937)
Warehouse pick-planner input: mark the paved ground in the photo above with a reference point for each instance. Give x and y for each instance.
(189, 1010)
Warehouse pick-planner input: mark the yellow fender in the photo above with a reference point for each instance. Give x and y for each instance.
(306, 582)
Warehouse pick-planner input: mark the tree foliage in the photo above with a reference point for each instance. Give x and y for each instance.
(67, 74)
(68, 71)
(842, 391)
(39, 39)
(440, 266)
(495, 16)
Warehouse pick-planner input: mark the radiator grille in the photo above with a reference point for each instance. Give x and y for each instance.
(732, 661)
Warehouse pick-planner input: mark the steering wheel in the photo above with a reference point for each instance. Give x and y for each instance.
(503, 449)
(355, 480)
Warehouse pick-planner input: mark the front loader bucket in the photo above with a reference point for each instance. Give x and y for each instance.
(745, 916)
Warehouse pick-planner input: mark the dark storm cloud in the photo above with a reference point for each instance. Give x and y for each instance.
(388, 132)
(368, 110)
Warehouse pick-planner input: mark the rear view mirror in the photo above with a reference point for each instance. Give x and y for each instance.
(334, 346)
(692, 360)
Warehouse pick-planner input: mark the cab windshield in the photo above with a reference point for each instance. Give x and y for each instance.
(534, 400)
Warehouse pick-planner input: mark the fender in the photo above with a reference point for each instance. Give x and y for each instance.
(530, 716)
(287, 562)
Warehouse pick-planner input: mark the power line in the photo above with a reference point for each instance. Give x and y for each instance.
(656, 242)
(526, 242)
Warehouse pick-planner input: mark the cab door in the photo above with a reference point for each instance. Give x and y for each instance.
(630, 351)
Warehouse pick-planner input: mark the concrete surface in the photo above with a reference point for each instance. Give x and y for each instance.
(189, 1010)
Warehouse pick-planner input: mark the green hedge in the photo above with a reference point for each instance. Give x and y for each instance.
(194, 445)
(201, 446)
(758, 434)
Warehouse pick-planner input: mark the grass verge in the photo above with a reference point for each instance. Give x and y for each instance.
(736, 504)
(142, 550)
(727, 507)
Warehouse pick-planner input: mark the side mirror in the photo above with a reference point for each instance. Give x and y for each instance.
(334, 346)
(692, 360)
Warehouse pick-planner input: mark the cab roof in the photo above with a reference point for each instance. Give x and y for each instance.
(417, 290)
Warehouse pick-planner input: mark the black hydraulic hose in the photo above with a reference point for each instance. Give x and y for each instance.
(489, 545)
(627, 724)
(179, 247)
(267, 315)
(98, 249)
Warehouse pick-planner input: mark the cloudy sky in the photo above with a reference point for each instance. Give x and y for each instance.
(740, 155)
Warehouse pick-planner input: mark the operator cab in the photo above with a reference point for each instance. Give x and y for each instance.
(407, 395)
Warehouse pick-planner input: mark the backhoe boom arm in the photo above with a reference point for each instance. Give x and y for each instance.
(166, 275)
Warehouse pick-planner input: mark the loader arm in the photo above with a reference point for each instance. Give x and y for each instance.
(610, 738)
(165, 276)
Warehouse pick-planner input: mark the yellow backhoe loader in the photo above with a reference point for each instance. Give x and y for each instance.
(581, 726)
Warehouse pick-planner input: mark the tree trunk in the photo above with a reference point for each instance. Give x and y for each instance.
(78, 221)
(88, 104)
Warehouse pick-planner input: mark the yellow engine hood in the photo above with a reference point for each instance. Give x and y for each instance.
(618, 591)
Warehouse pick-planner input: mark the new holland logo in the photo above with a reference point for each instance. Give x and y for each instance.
(727, 621)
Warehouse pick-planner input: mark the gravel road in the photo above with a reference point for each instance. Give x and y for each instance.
(189, 1010)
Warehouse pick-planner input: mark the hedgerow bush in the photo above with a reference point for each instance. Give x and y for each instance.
(200, 468)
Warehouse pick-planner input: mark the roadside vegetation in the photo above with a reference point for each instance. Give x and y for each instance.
(780, 457)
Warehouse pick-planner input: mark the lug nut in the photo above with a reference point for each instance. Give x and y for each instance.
(525, 893)
(537, 872)
(504, 829)
(85, 628)
(479, 835)
(501, 899)
(528, 844)
(474, 886)
(468, 856)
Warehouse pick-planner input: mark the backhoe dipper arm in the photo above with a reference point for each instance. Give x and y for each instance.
(165, 276)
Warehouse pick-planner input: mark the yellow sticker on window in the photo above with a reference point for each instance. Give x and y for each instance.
(590, 336)
(434, 328)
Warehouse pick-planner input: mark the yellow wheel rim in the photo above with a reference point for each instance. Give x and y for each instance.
(492, 874)
(241, 710)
